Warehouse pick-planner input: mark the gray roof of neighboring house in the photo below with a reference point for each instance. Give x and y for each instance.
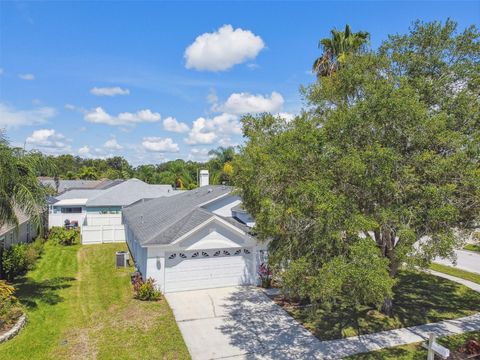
(64, 185)
(22, 218)
(129, 192)
(79, 194)
(161, 221)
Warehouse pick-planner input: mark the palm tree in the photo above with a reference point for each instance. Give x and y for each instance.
(88, 173)
(19, 185)
(220, 157)
(337, 48)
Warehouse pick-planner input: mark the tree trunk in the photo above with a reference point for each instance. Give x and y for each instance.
(387, 307)
(388, 238)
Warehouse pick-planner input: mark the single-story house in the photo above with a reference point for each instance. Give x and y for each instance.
(194, 240)
(10, 234)
(98, 212)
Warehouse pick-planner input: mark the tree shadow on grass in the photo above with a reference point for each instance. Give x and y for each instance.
(31, 292)
(419, 298)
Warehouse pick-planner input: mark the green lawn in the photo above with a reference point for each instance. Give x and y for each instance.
(416, 351)
(456, 272)
(80, 306)
(472, 247)
(419, 298)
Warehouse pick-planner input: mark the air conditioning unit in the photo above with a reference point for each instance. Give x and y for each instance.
(121, 259)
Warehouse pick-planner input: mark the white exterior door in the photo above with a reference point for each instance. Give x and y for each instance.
(204, 269)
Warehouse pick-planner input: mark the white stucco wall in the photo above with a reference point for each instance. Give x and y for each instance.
(155, 266)
(25, 233)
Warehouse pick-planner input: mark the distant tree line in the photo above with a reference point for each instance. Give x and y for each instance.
(179, 173)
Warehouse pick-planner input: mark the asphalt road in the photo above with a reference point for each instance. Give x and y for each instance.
(466, 260)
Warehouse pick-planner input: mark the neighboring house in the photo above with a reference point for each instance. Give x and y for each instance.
(99, 212)
(194, 240)
(65, 185)
(10, 234)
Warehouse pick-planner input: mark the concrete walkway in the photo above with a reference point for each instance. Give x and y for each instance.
(243, 323)
(466, 260)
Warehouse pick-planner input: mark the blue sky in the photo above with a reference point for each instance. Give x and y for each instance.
(155, 81)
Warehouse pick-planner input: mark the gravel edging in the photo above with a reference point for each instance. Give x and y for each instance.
(15, 329)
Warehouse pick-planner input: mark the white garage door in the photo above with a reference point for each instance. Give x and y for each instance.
(204, 269)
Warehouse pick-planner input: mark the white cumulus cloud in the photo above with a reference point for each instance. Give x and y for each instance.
(47, 138)
(84, 151)
(109, 91)
(222, 49)
(100, 116)
(207, 131)
(13, 118)
(157, 144)
(112, 144)
(171, 124)
(28, 77)
(244, 103)
(198, 154)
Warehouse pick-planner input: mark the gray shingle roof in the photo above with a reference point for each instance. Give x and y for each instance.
(162, 220)
(65, 185)
(22, 218)
(128, 192)
(79, 194)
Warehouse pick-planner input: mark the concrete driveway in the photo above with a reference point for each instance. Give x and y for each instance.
(239, 323)
(466, 260)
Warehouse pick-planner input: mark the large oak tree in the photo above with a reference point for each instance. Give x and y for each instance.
(382, 168)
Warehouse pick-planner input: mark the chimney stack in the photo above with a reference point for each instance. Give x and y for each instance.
(204, 178)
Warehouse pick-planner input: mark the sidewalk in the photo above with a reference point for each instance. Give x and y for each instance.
(466, 260)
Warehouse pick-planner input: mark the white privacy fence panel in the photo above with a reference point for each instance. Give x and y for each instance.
(104, 219)
(99, 234)
(59, 219)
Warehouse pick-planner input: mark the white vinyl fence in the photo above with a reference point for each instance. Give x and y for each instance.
(100, 234)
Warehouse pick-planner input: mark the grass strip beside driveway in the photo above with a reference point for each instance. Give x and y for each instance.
(466, 275)
(472, 247)
(79, 306)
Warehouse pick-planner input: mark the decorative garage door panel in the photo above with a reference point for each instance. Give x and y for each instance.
(204, 269)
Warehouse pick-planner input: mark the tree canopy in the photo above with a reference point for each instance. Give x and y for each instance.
(382, 168)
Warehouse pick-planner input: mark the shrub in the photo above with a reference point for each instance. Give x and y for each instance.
(18, 259)
(296, 280)
(14, 261)
(38, 244)
(62, 236)
(6, 290)
(145, 290)
(10, 309)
